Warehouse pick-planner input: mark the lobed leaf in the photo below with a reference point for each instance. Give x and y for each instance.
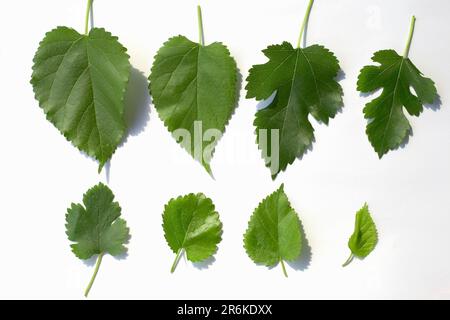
(304, 84)
(396, 75)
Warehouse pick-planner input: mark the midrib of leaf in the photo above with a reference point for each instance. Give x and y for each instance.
(294, 76)
(280, 259)
(93, 101)
(392, 104)
(98, 233)
(314, 76)
(188, 229)
(264, 225)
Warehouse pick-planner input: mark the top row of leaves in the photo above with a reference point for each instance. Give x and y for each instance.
(80, 82)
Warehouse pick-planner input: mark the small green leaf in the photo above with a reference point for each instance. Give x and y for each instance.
(191, 224)
(303, 83)
(194, 90)
(80, 83)
(273, 234)
(364, 237)
(388, 126)
(96, 227)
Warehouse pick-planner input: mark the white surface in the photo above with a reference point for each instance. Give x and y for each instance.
(408, 190)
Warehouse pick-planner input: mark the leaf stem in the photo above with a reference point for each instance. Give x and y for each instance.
(201, 36)
(350, 259)
(283, 267)
(88, 13)
(411, 32)
(97, 266)
(177, 259)
(305, 21)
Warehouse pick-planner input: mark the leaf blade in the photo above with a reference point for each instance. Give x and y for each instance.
(364, 237)
(194, 84)
(95, 227)
(388, 126)
(303, 81)
(80, 83)
(190, 223)
(273, 234)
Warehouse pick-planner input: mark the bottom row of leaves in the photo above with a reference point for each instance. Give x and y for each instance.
(192, 226)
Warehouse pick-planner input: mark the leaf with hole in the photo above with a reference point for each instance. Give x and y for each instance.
(96, 228)
(273, 234)
(397, 76)
(192, 225)
(302, 82)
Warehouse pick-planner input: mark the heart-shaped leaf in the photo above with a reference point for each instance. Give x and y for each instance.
(194, 89)
(80, 82)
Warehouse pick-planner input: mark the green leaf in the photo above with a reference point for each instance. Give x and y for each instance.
(191, 224)
(273, 234)
(96, 227)
(364, 237)
(302, 83)
(194, 90)
(80, 83)
(396, 75)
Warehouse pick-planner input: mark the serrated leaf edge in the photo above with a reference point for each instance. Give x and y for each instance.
(199, 195)
(95, 188)
(341, 91)
(250, 224)
(125, 51)
(206, 165)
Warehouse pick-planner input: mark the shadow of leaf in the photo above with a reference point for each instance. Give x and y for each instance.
(137, 104)
(205, 264)
(436, 105)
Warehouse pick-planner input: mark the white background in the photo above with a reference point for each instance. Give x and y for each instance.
(408, 191)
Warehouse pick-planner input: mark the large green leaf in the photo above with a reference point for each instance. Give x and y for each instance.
(364, 237)
(194, 87)
(191, 224)
(388, 126)
(96, 228)
(303, 80)
(273, 233)
(80, 83)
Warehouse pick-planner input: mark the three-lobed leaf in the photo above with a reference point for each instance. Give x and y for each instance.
(364, 237)
(80, 83)
(397, 76)
(191, 224)
(303, 80)
(95, 226)
(273, 234)
(194, 90)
